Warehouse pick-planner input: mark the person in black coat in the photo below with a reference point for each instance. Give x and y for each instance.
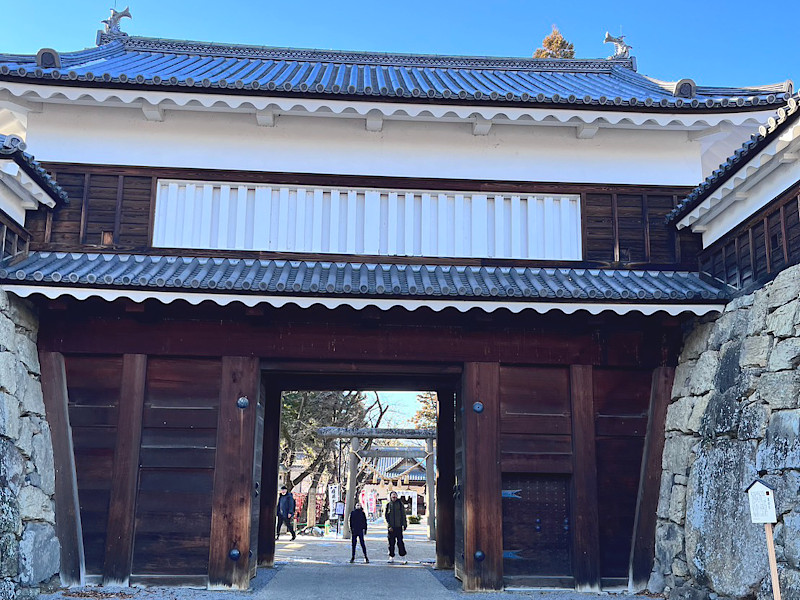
(286, 508)
(358, 529)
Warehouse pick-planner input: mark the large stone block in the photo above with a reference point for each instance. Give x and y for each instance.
(664, 494)
(12, 466)
(696, 341)
(779, 390)
(791, 538)
(695, 423)
(755, 351)
(35, 505)
(683, 374)
(9, 416)
(678, 453)
(701, 378)
(10, 519)
(784, 288)
(29, 426)
(722, 415)
(669, 544)
(8, 334)
(781, 447)
(30, 393)
(785, 355)
(757, 319)
(688, 592)
(8, 372)
(9, 555)
(781, 322)
(788, 579)
(28, 354)
(24, 315)
(39, 554)
(787, 490)
(43, 459)
(677, 504)
(753, 421)
(716, 514)
(730, 326)
(678, 414)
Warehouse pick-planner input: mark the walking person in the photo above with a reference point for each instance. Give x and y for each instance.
(358, 529)
(396, 523)
(286, 508)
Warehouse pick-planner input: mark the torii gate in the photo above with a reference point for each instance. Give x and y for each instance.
(356, 435)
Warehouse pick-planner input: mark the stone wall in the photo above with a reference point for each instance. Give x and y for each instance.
(734, 416)
(29, 550)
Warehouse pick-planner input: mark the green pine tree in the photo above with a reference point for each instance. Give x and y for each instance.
(555, 46)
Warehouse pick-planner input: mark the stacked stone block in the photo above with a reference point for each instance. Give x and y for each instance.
(734, 416)
(29, 550)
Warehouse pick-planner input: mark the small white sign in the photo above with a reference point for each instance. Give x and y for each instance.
(762, 502)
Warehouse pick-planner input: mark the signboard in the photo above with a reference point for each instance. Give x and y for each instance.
(333, 497)
(762, 502)
(340, 508)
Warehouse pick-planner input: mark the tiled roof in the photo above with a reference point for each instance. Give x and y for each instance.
(330, 279)
(152, 63)
(13, 148)
(389, 467)
(766, 133)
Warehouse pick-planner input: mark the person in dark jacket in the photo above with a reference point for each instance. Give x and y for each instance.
(285, 512)
(396, 523)
(358, 529)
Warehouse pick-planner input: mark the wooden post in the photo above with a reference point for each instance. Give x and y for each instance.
(430, 484)
(68, 518)
(644, 524)
(483, 509)
(125, 480)
(352, 475)
(773, 565)
(269, 478)
(445, 480)
(228, 565)
(585, 529)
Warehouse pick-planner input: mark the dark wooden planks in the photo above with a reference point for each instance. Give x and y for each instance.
(119, 541)
(68, 524)
(643, 544)
(445, 479)
(483, 517)
(585, 514)
(233, 475)
(269, 477)
(176, 467)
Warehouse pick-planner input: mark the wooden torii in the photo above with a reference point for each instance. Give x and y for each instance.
(356, 435)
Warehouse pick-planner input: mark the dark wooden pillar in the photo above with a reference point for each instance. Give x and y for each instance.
(68, 519)
(483, 509)
(644, 526)
(585, 530)
(269, 477)
(228, 564)
(124, 482)
(445, 480)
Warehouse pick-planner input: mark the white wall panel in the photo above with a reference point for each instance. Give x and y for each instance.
(371, 222)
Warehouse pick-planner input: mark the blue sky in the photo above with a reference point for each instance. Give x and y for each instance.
(735, 43)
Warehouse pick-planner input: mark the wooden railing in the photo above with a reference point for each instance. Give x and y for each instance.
(14, 240)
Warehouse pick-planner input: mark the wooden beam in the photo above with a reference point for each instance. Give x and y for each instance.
(68, 524)
(228, 565)
(644, 525)
(376, 433)
(125, 479)
(445, 480)
(483, 510)
(585, 530)
(269, 478)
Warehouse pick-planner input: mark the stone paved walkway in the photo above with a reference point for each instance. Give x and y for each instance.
(318, 569)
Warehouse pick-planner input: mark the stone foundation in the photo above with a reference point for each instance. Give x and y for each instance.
(734, 416)
(29, 550)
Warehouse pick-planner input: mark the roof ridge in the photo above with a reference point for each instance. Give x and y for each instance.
(147, 44)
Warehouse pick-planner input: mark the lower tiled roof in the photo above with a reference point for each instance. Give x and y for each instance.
(357, 279)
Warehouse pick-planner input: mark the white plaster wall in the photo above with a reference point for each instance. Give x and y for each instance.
(219, 140)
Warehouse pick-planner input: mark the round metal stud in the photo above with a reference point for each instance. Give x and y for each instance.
(243, 402)
(479, 555)
(478, 407)
(234, 554)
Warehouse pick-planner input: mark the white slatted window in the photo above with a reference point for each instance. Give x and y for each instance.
(377, 222)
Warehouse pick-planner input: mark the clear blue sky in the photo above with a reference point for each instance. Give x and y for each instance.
(736, 42)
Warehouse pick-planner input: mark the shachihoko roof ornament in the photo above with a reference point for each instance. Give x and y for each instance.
(112, 23)
(621, 49)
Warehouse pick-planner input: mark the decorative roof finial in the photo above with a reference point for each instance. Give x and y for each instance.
(112, 23)
(621, 49)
